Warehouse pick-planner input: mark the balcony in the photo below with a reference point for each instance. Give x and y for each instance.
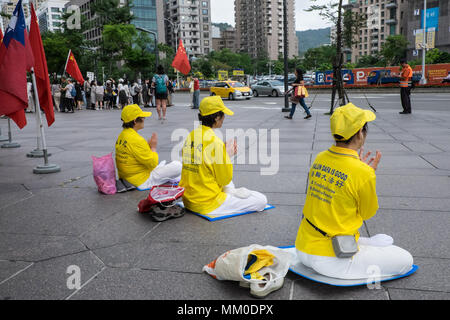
(390, 5)
(391, 21)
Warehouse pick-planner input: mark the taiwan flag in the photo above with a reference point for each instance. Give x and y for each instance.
(181, 61)
(16, 58)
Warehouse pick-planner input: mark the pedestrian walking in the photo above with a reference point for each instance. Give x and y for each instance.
(160, 83)
(405, 86)
(123, 97)
(30, 93)
(99, 93)
(56, 94)
(191, 90)
(79, 95)
(68, 103)
(87, 91)
(298, 96)
(196, 94)
(146, 93)
(169, 96)
(135, 91)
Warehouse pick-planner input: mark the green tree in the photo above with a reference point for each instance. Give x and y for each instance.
(435, 56)
(113, 11)
(394, 49)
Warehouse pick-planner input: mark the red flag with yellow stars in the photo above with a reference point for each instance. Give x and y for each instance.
(181, 61)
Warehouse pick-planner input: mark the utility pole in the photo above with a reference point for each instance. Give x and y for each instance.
(423, 80)
(286, 46)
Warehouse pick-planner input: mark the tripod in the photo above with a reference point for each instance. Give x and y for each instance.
(348, 100)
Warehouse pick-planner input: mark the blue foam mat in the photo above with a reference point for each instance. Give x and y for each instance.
(268, 207)
(310, 274)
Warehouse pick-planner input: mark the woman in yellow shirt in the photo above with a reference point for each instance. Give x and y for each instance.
(137, 159)
(341, 195)
(207, 169)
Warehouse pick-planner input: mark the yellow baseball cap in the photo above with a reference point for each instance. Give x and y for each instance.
(213, 104)
(348, 119)
(132, 112)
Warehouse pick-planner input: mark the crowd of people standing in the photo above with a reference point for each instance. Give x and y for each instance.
(69, 95)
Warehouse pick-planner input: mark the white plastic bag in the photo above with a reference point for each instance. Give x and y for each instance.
(231, 264)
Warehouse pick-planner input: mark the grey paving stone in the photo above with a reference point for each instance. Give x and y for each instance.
(62, 211)
(134, 284)
(276, 227)
(281, 182)
(441, 161)
(400, 294)
(413, 186)
(404, 225)
(432, 276)
(30, 247)
(47, 280)
(305, 289)
(9, 268)
(421, 148)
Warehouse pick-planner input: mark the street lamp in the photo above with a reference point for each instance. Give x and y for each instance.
(156, 42)
(176, 28)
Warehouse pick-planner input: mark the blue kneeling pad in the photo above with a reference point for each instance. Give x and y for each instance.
(215, 218)
(310, 274)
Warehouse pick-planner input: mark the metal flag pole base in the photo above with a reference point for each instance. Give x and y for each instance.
(2, 138)
(37, 153)
(10, 144)
(46, 168)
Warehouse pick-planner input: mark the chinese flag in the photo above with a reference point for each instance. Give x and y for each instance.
(181, 61)
(72, 68)
(40, 69)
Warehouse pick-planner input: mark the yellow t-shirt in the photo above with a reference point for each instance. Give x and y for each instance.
(134, 158)
(206, 170)
(341, 195)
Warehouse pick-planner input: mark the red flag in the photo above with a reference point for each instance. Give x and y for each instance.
(40, 69)
(181, 61)
(16, 59)
(72, 68)
(1, 36)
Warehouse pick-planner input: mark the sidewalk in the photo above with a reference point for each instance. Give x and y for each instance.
(51, 222)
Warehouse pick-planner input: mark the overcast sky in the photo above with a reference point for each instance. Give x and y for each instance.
(223, 11)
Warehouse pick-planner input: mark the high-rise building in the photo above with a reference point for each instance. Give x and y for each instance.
(192, 20)
(260, 28)
(225, 39)
(148, 14)
(49, 14)
(7, 7)
(383, 20)
(437, 24)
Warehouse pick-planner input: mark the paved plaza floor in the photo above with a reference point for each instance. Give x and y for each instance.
(49, 223)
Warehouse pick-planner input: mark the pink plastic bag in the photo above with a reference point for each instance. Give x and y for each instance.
(105, 174)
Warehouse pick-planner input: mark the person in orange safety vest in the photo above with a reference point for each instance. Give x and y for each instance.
(405, 86)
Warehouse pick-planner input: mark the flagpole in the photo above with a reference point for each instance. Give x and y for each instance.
(10, 144)
(46, 167)
(67, 60)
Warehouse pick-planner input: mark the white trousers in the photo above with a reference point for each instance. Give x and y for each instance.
(163, 173)
(255, 201)
(367, 262)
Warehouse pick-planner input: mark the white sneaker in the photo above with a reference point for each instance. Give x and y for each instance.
(261, 290)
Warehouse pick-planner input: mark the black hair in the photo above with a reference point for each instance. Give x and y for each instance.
(160, 69)
(210, 120)
(338, 138)
(299, 75)
(129, 125)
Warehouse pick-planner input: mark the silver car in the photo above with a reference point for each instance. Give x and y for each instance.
(273, 88)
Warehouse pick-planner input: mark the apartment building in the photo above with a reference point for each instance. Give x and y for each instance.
(383, 20)
(437, 25)
(49, 14)
(224, 39)
(189, 20)
(260, 28)
(7, 7)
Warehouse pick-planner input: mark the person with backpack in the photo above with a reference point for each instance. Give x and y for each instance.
(69, 94)
(160, 83)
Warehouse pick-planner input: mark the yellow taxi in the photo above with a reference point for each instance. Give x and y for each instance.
(231, 89)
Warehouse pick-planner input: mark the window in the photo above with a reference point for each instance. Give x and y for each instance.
(204, 4)
(205, 11)
(206, 42)
(205, 20)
